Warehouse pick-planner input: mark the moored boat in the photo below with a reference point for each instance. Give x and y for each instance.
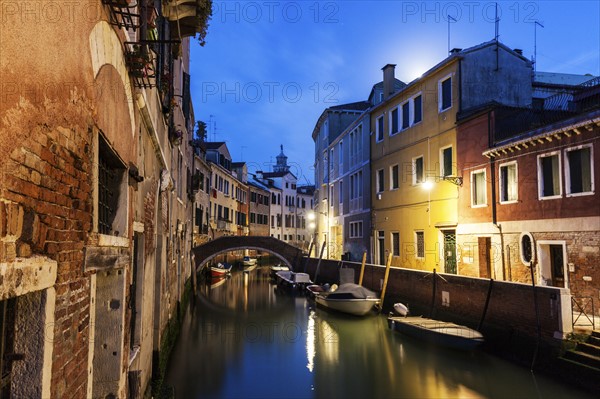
(291, 280)
(222, 269)
(348, 298)
(278, 268)
(248, 261)
(437, 331)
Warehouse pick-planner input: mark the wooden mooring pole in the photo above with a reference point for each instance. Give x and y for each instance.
(487, 302)
(308, 257)
(433, 289)
(385, 280)
(320, 257)
(362, 268)
(537, 316)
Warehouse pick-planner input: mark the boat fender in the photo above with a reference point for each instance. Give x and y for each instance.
(401, 309)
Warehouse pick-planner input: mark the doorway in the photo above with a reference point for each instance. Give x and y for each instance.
(381, 246)
(449, 251)
(552, 264)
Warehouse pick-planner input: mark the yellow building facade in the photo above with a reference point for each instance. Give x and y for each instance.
(413, 153)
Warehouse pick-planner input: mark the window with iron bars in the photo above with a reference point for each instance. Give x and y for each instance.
(111, 172)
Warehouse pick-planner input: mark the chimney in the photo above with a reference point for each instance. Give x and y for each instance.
(388, 80)
(518, 51)
(455, 50)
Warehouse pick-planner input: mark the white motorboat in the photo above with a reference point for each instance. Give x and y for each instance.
(278, 268)
(349, 298)
(248, 261)
(291, 280)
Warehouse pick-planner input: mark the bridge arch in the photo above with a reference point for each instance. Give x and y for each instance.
(289, 254)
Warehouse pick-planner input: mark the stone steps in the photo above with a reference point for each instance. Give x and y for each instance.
(586, 355)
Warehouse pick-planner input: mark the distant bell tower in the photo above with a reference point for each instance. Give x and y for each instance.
(282, 165)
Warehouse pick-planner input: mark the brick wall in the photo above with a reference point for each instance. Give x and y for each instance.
(46, 187)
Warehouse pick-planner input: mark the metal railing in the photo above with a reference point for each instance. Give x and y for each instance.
(582, 306)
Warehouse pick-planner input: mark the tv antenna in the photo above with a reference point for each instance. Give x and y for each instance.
(535, 25)
(450, 18)
(497, 25)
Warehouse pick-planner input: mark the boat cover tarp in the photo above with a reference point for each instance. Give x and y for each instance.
(351, 291)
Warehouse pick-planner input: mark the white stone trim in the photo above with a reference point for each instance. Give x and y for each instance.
(105, 240)
(48, 341)
(36, 273)
(105, 48)
(581, 224)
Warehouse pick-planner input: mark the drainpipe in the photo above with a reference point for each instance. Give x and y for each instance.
(494, 196)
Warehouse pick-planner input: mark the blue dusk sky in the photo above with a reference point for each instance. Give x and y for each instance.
(270, 68)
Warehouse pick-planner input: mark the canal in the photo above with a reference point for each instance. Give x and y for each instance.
(244, 338)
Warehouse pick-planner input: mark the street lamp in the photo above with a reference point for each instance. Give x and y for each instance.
(312, 217)
(428, 185)
(456, 180)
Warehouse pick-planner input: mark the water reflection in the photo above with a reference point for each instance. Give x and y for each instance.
(246, 339)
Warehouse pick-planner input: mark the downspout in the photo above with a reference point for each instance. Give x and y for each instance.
(493, 191)
(460, 98)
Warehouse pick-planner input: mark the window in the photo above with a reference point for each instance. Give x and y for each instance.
(331, 194)
(579, 173)
(420, 244)
(446, 164)
(179, 184)
(355, 145)
(112, 191)
(396, 244)
(379, 129)
(508, 182)
(394, 121)
(380, 185)
(340, 156)
(394, 177)
(418, 109)
(356, 229)
(325, 130)
(418, 172)
(405, 115)
(445, 93)
(478, 189)
(356, 191)
(331, 160)
(549, 182)
(341, 194)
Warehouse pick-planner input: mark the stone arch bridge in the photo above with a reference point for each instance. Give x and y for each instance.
(290, 255)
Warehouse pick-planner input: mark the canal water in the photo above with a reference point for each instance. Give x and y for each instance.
(244, 338)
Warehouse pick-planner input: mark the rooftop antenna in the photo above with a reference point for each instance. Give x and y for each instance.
(211, 125)
(497, 25)
(450, 18)
(535, 24)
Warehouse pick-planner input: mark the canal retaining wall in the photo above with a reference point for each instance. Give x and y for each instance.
(511, 309)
